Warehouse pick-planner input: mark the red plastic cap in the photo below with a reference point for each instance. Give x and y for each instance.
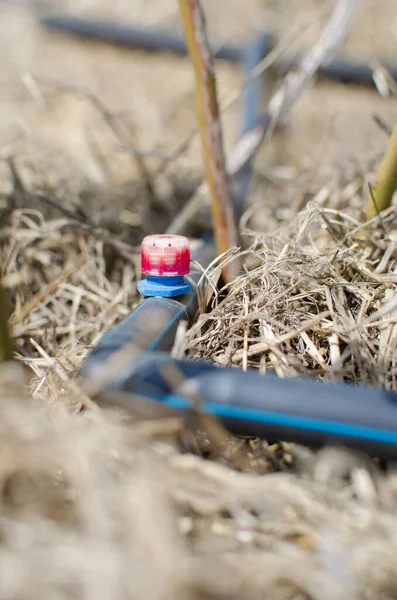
(167, 255)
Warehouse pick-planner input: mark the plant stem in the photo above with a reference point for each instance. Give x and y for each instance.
(383, 190)
(6, 352)
(225, 228)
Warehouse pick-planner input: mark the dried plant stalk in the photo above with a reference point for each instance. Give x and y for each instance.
(382, 192)
(224, 223)
(6, 352)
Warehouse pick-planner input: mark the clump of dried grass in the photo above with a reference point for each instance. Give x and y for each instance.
(310, 305)
(64, 292)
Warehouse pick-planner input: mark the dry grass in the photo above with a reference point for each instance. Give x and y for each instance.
(318, 303)
(92, 509)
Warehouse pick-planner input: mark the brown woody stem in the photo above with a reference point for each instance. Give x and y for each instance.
(225, 227)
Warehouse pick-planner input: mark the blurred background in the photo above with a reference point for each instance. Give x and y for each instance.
(59, 137)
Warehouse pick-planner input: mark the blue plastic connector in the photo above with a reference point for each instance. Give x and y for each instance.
(164, 286)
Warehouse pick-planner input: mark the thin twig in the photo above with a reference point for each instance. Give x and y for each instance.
(295, 83)
(225, 228)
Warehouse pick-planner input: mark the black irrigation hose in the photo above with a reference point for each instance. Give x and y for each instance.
(127, 36)
(301, 410)
(353, 72)
(155, 40)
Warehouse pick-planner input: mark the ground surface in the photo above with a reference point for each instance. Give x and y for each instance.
(92, 507)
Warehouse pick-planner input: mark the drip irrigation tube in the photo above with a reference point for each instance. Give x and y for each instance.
(300, 410)
(156, 40)
(353, 72)
(127, 36)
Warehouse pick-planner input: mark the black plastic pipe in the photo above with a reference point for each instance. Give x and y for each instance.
(353, 72)
(155, 40)
(300, 410)
(152, 325)
(127, 36)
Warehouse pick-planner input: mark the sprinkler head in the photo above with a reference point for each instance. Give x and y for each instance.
(165, 260)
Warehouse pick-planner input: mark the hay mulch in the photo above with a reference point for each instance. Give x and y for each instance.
(94, 510)
(97, 505)
(319, 303)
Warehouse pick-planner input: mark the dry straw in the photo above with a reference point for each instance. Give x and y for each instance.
(311, 306)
